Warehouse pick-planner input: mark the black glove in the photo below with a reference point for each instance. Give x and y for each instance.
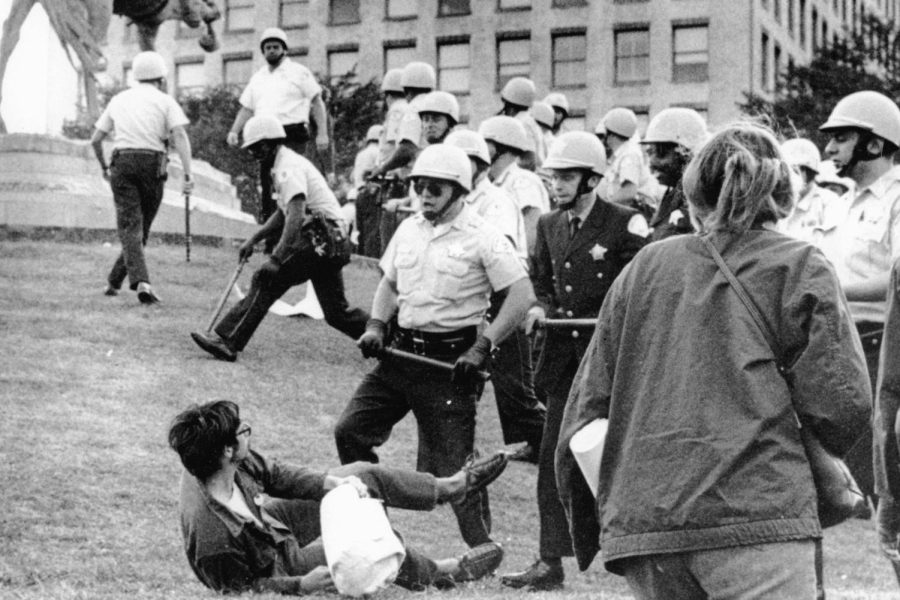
(372, 341)
(269, 270)
(245, 251)
(473, 360)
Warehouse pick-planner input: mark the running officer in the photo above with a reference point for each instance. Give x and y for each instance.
(673, 136)
(521, 415)
(809, 218)
(417, 79)
(864, 134)
(141, 120)
(288, 91)
(581, 247)
(312, 245)
(507, 140)
(628, 180)
(518, 95)
(439, 271)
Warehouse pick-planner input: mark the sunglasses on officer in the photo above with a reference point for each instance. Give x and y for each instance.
(434, 187)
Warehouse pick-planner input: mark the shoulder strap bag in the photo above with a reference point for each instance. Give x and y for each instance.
(839, 496)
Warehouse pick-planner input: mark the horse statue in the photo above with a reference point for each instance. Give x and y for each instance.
(81, 27)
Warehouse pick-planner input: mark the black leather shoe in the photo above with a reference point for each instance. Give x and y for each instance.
(482, 471)
(478, 562)
(539, 577)
(215, 346)
(110, 290)
(146, 295)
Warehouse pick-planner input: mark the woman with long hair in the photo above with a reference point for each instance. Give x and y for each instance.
(705, 489)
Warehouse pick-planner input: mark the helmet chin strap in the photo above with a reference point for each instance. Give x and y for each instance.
(860, 153)
(433, 217)
(583, 188)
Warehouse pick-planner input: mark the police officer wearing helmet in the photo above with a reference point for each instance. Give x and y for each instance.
(395, 105)
(143, 119)
(521, 415)
(809, 219)
(439, 112)
(507, 141)
(517, 96)
(311, 245)
(628, 180)
(582, 246)
(560, 105)
(439, 271)
(417, 79)
(864, 134)
(673, 136)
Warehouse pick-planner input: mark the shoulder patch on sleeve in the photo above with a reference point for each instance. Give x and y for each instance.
(637, 225)
(501, 245)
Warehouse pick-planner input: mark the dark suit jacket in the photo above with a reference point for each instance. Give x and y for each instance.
(665, 221)
(571, 276)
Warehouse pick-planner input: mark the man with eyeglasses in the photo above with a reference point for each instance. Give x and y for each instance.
(439, 270)
(251, 523)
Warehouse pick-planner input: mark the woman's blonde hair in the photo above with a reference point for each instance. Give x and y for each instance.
(739, 180)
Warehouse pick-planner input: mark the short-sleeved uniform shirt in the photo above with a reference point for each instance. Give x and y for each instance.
(627, 164)
(499, 209)
(808, 220)
(284, 92)
(525, 187)
(410, 128)
(444, 274)
(866, 241)
(293, 174)
(390, 136)
(140, 118)
(366, 160)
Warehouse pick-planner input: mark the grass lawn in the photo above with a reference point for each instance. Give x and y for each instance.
(88, 384)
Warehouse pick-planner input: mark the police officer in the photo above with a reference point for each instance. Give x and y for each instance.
(521, 415)
(809, 218)
(628, 180)
(366, 208)
(507, 141)
(439, 271)
(864, 134)
(560, 105)
(673, 136)
(312, 245)
(581, 247)
(288, 91)
(517, 96)
(417, 79)
(143, 119)
(439, 112)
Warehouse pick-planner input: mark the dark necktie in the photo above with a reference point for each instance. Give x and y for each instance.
(574, 224)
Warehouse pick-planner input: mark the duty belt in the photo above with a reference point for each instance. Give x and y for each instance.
(428, 343)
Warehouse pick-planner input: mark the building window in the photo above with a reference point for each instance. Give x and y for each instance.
(237, 70)
(189, 78)
(815, 29)
(452, 8)
(764, 62)
(343, 12)
(293, 13)
(453, 66)
(790, 17)
(341, 62)
(801, 21)
(690, 53)
(513, 59)
(513, 4)
(568, 3)
(632, 56)
(401, 9)
(398, 54)
(569, 59)
(238, 15)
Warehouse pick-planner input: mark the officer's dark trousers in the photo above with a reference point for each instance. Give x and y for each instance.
(395, 487)
(367, 218)
(137, 191)
(553, 382)
(521, 415)
(445, 414)
(237, 327)
(859, 459)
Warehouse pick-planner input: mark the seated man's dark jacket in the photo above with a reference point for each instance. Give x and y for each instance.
(230, 555)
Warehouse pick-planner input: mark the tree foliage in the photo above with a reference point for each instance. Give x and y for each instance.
(868, 59)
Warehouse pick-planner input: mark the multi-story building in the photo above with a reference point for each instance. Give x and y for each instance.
(643, 54)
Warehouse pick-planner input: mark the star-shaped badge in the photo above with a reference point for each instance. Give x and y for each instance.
(598, 252)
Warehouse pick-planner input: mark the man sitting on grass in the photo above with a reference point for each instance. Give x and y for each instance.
(238, 539)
